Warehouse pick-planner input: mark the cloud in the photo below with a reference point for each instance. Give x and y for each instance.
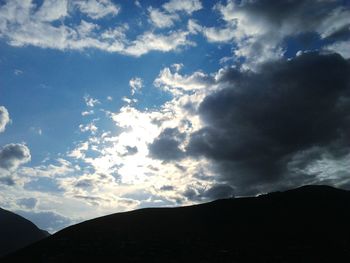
(188, 6)
(97, 9)
(13, 155)
(256, 124)
(161, 19)
(36, 130)
(52, 10)
(136, 85)
(259, 28)
(341, 47)
(27, 203)
(167, 188)
(176, 83)
(219, 191)
(91, 102)
(130, 150)
(17, 72)
(167, 145)
(150, 41)
(214, 192)
(7, 180)
(4, 118)
(49, 26)
(55, 169)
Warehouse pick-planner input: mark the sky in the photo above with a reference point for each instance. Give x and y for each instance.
(109, 106)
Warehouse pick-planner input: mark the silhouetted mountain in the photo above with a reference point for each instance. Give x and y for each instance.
(17, 232)
(308, 224)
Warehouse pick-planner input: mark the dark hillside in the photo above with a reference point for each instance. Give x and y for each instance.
(308, 224)
(17, 232)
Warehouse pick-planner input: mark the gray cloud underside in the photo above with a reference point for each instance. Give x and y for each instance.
(255, 126)
(12, 155)
(263, 129)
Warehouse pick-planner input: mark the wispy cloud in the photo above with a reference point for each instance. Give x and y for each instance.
(22, 23)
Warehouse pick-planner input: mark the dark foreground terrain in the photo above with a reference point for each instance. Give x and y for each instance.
(308, 224)
(17, 232)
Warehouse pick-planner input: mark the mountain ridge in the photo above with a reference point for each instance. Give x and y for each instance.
(17, 232)
(304, 224)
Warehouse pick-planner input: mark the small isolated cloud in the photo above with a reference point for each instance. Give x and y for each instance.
(91, 102)
(88, 112)
(90, 127)
(136, 85)
(97, 9)
(13, 155)
(4, 118)
(138, 4)
(36, 130)
(17, 72)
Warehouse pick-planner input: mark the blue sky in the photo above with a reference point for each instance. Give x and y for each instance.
(101, 101)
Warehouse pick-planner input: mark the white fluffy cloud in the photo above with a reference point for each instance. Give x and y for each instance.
(150, 41)
(4, 118)
(97, 9)
(174, 82)
(188, 6)
(21, 24)
(170, 13)
(161, 19)
(52, 10)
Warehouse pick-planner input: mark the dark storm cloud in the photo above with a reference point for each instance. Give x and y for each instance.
(256, 125)
(216, 191)
(12, 155)
(219, 191)
(166, 146)
(299, 15)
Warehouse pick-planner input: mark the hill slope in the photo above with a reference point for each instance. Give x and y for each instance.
(17, 232)
(308, 224)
